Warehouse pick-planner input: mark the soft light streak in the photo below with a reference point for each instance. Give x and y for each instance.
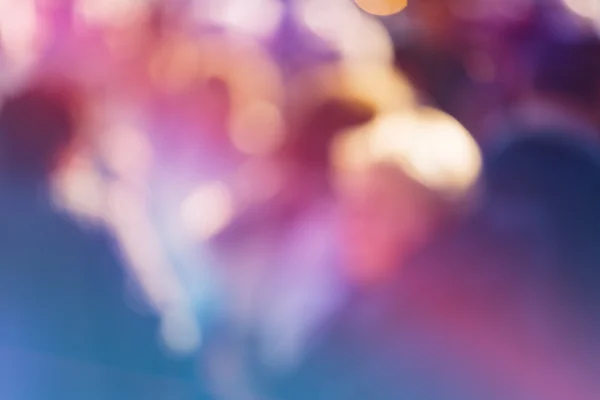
(129, 217)
(585, 8)
(588, 9)
(19, 32)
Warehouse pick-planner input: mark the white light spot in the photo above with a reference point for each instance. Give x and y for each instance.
(430, 146)
(206, 211)
(180, 331)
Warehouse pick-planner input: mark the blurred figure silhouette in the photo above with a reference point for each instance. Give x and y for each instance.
(515, 291)
(384, 220)
(274, 255)
(554, 184)
(32, 147)
(505, 307)
(66, 329)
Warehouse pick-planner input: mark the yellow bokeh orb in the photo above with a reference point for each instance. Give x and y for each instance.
(382, 7)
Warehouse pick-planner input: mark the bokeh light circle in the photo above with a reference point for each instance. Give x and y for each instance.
(382, 7)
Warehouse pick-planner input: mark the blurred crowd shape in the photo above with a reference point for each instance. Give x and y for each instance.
(137, 60)
(198, 113)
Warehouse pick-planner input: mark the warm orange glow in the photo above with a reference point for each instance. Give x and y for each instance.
(127, 214)
(382, 86)
(382, 7)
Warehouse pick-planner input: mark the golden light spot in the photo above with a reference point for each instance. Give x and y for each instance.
(382, 7)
